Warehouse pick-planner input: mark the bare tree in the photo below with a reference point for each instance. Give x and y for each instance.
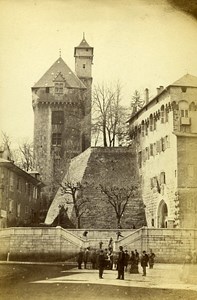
(118, 197)
(108, 113)
(75, 189)
(136, 102)
(26, 161)
(22, 155)
(6, 145)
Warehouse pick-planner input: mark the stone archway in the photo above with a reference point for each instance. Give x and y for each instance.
(162, 215)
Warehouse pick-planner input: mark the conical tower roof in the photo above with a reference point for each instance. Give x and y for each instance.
(84, 44)
(47, 80)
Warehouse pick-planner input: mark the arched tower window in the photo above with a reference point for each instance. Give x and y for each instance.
(184, 108)
(192, 106)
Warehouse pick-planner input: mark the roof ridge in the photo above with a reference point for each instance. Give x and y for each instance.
(59, 66)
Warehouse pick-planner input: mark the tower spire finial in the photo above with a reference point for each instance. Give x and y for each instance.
(60, 52)
(83, 35)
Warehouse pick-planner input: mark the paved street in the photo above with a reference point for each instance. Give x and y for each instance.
(44, 281)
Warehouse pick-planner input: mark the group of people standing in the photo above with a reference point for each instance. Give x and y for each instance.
(121, 261)
(125, 260)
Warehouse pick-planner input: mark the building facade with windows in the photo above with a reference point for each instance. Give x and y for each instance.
(20, 196)
(164, 132)
(61, 102)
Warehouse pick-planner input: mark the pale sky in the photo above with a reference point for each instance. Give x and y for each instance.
(141, 43)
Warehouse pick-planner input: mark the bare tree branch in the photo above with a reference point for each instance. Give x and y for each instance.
(78, 201)
(118, 197)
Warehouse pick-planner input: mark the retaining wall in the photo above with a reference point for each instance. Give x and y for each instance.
(58, 244)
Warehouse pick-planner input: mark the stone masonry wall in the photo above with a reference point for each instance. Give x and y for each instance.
(57, 244)
(111, 167)
(187, 180)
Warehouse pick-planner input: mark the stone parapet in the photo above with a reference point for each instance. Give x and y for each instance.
(58, 244)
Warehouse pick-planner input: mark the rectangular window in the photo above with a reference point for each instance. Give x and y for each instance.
(151, 150)
(154, 149)
(162, 116)
(57, 117)
(142, 130)
(162, 177)
(184, 113)
(183, 89)
(29, 189)
(35, 193)
(154, 123)
(163, 144)
(152, 182)
(167, 141)
(158, 146)
(166, 115)
(56, 139)
(18, 184)
(18, 210)
(151, 124)
(84, 66)
(140, 159)
(11, 181)
(11, 206)
(47, 90)
(146, 129)
(144, 155)
(59, 87)
(147, 153)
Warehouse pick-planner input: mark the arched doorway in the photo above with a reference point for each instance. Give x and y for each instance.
(162, 214)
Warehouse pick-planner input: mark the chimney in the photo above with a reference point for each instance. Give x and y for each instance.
(146, 95)
(161, 88)
(158, 90)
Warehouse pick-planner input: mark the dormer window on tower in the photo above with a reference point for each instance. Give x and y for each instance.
(59, 83)
(59, 87)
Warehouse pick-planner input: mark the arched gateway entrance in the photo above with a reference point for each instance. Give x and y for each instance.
(162, 215)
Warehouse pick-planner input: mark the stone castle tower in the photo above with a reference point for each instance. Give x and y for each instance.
(61, 101)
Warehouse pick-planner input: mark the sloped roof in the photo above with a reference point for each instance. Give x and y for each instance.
(84, 44)
(60, 67)
(186, 80)
(10, 165)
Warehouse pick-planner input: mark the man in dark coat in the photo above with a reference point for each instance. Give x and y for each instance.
(101, 263)
(93, 258)
(127, 257)
(80, 258)
(151, 257)
(121, 263)
(144, 262)
(86, 257)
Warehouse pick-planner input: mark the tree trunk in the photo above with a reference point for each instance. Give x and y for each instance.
(78, 223)
(104, 134)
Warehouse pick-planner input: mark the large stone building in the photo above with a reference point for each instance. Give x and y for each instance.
(61, 102)
(165, 135)
(20, 201)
